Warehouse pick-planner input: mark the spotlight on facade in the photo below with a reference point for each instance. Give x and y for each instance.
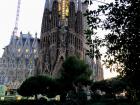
(2, 98)
(18, 98)
(57, 98)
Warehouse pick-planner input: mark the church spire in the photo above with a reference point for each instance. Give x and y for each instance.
(79, 5)
(47, 4)
(71, 0)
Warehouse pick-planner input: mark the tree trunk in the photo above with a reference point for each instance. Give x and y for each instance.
(36, 98)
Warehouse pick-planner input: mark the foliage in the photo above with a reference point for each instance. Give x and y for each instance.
(36, 85)
(111, 87)
(75, 75)
(75, 70)
(29, 102)
(107, 90)
(39, 102)
(121, 19)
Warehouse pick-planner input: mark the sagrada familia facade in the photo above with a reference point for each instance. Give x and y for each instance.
(61, 36)
(18, 60)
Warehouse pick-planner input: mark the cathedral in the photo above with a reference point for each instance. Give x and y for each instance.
(18, 60)
(62, 35)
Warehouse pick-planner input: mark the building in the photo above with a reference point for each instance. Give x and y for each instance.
(62, 36)
(18, 60)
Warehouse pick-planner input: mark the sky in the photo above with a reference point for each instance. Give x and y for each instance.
(30, 18)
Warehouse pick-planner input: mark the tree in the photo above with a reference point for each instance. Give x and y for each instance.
(75, 70)
(75, 74)
(111, 87)
(36, 85)
(122, 41)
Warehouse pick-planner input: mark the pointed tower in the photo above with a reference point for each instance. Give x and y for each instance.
(62, 39)
(71, 18)
(99, 69)
(55, 14)
(35, 46)
(12, 45)
(46, 17)
(79, 5)
(79, 16)
(19, 45)
(27, 46)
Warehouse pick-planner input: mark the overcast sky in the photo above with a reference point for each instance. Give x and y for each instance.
(30, 18)
(31, 12)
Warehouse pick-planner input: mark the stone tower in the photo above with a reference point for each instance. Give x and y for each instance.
(18, 60)
(61, 35)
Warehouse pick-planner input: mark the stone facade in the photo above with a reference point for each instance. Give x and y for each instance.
(62, 36)
(18, 60)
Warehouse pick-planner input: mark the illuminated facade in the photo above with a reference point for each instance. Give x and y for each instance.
(62, 36)
(18, 60)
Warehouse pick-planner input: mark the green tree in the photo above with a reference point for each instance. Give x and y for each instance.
(111, 87)
(36, 85)
(114, 85)
(75, 74)
(122, 41)
(75, 71)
